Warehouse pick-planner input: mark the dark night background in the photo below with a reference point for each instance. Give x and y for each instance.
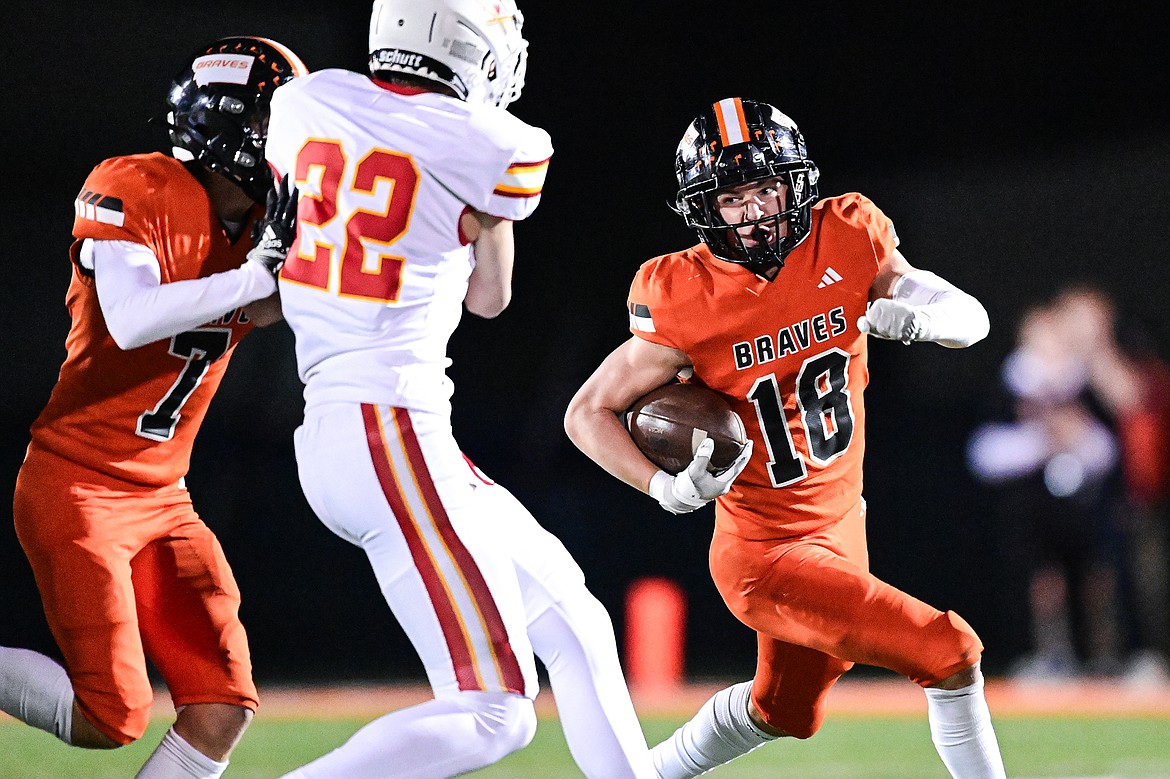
(1017, 147)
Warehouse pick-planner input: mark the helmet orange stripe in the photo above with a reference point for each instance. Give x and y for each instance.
(723, 139)
(732, 123)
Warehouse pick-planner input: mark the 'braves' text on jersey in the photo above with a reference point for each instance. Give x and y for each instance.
(133, 415)
(374, 284)
(787, 355)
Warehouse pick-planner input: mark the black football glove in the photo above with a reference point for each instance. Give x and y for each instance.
(273, 234)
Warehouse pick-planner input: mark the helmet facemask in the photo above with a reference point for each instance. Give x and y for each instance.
(777, 234)
(224, 135)
(511, 67)
(768, 146)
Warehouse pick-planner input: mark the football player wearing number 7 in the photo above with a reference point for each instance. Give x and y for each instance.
(409, 183)
(772, 309)
(165, 283)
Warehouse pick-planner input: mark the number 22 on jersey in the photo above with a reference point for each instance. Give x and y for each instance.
(355, 277)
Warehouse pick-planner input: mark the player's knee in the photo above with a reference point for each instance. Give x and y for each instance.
(506, 721)
(103, 719)
(213, 728)
(960, 679)
(109, 732)
(958, 651)
(520, 724)
(796, 707)
(799, 725)
(787, 720)
(968, 647)
(132, 729)
(86, 736)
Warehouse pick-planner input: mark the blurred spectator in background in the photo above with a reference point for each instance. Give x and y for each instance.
(1080, 475)
(1133, 384)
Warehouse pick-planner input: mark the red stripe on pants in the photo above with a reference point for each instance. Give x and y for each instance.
(505, 658)
(457, 642)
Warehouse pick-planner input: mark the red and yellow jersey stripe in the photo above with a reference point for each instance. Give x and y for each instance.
(523, 179)
(476, 637)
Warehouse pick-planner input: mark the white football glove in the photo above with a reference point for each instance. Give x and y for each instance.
(696, 486)
(893, 320)
(926, 307)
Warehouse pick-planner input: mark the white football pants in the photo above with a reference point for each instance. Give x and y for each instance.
(471, 576)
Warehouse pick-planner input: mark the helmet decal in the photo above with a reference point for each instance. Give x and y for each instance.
(287, 55)
(222, 69)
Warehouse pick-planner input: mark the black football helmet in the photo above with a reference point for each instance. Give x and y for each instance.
(218, 107)
(736, 141)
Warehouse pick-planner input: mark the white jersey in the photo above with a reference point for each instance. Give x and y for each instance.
(373, 286)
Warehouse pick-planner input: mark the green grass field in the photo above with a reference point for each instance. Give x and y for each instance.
(848, 747)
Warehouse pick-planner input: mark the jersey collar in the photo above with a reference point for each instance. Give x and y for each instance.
(400, 89)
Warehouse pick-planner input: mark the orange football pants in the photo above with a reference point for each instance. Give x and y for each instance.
(817, 610)
(128, 573)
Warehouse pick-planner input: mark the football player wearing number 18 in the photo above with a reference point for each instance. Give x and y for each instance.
(409, 182)
(772, 309)
(165, 283)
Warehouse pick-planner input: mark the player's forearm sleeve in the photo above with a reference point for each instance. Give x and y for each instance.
(946, 314)
(138, 309)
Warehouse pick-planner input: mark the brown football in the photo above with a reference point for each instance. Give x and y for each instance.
(669, 423)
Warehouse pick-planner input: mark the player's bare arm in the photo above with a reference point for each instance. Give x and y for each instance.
(908, 304)
(489, 290)
(272, 237)
(593, 420)
(265, 312)
(894, 268)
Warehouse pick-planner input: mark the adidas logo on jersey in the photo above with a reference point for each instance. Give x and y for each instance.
(831, 277)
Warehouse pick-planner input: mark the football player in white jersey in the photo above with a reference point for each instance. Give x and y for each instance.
(408, 184)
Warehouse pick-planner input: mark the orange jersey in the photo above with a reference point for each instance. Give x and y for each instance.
(133, 415)
(787, 355)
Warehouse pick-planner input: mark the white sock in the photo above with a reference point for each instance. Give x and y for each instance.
(721, 731)
(36, 690)
(433, 740)
(960, 726)
(174, 758)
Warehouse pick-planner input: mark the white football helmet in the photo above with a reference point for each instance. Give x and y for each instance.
(473, 46)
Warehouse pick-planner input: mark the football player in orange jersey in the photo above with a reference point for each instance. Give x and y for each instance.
(771, 310)
(165, 282)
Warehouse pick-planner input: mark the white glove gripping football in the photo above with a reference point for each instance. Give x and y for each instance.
(696, 486)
